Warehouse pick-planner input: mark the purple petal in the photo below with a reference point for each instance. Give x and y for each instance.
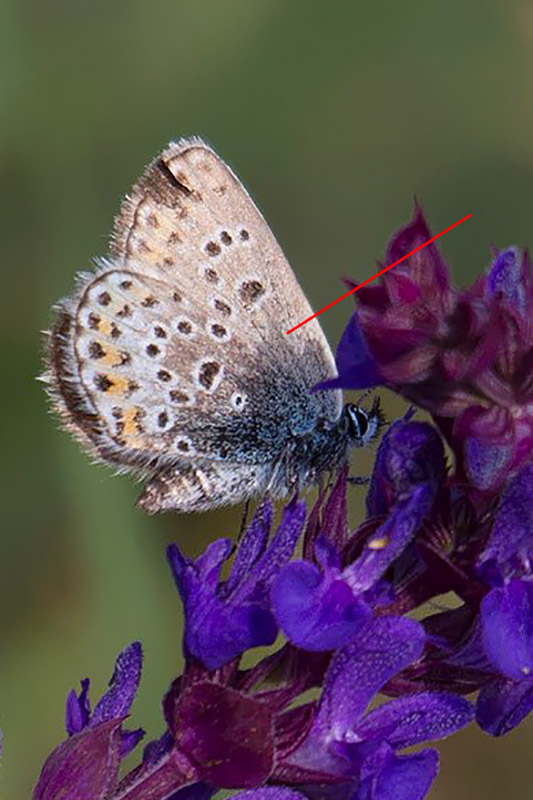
(492, 425)
(129, 741)
(226, 631)
(172, 777)
(196, 791)
(157, 748)
(358, 671)
(503, 704)
(390, 539)
(509, 276)
(317, 610)
(486, 463)
(410, 454)
(335, 525)
(416, 718)
(356, 367)
(426, 268)
(269, 793)
(78, 709)
(507, 617)
(402, 778)
(117, 701)
(471, 653)
(200, 575)
(209, 564)
(510, 548)
(252, 546)
(327, 554)
(278, 552)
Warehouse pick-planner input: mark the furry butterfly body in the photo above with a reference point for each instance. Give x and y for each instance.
(172, 360)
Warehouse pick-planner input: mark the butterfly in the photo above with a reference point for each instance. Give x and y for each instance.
(172, 359)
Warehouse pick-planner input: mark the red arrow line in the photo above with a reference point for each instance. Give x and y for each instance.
(382, 272)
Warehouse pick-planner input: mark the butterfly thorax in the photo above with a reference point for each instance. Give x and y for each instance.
(325, 448)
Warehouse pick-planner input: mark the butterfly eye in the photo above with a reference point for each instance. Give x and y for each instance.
(358, 421)
(363, 426)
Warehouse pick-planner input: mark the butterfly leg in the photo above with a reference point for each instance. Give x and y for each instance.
(279, 483)
(244, 520)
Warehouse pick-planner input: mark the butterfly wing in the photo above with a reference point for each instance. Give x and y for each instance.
(175, 352)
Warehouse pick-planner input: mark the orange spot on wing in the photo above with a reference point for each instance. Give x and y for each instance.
(105, 327)
(130, 421)
(112, 358)
(119, 385)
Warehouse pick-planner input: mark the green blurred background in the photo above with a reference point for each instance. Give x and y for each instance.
(334, 114)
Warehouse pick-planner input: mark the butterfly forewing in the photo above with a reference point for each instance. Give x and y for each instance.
(189, 217)
(175, 351)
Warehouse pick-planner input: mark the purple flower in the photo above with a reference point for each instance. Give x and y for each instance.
(322, 605)
(465, 356)
(225, 618)
(507, 615)
(345, 743)
(312, 602)
(227, 727)
(239, 734)
(410, 456)
(315, 606)
(509, 551)
(85, 766)
(507, 610)
(431, 528)
(507, 618)
(269, 793)
(226, 731)
(408, 473)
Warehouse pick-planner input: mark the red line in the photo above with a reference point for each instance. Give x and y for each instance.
(382, 272)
